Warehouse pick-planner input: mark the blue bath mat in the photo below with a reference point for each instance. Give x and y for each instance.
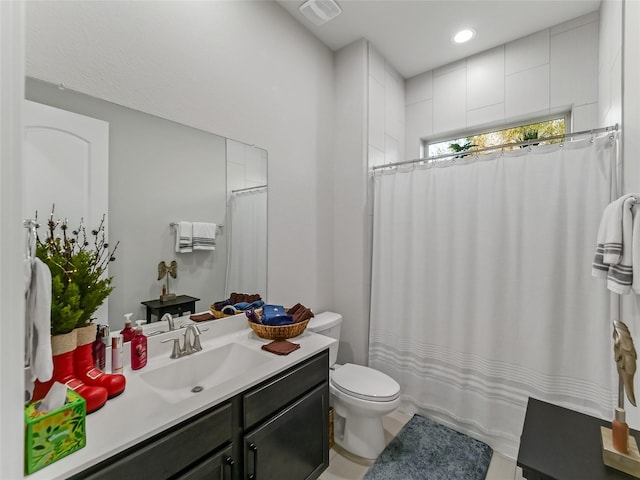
(426, 450)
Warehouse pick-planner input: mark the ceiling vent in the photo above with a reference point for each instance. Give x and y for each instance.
(320, 11)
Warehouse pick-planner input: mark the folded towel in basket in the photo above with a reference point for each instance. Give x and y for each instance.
(275, 315)
(300, 313)
(281, 347)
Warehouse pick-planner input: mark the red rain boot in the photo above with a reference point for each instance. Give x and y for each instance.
(63, 348)
(84, 367)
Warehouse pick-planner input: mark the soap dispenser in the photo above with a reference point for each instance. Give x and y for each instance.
(99, 349)
(138, 350)
(127, 332)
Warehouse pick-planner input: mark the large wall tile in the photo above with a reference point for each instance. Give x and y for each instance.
(527, 52)
(527, 92)
(615, 110)
(392, 104)
(450, 67)
(584, 117)
(376, 64)
(376, 157)
(376, 113)
(391, 149)
(493, 114)
(419, 88)
(574, 66)
(449, 100)
(575, 23)
(402, 103)
(485, 78)
(419, 118)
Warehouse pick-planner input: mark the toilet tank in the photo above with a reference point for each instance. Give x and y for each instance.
(328, 324)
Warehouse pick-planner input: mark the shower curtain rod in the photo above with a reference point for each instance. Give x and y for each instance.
(611, 128)
(248, 188)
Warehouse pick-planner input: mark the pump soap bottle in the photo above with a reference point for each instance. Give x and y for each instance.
(99, 349)
(138, 350)
(117, 355)
(127, 332)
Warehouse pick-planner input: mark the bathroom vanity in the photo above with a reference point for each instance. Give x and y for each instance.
(267, 422)
(278, 429)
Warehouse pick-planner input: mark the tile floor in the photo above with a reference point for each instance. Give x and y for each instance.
(344, 466)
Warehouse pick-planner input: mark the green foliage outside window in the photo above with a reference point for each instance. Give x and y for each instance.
(500, 137)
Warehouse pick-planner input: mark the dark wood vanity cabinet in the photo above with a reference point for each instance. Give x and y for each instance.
(172, 453)
(286, 424)
(219, 466)
(292, 444)
(276, 430)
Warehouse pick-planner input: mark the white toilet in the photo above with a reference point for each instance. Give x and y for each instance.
(360, 396)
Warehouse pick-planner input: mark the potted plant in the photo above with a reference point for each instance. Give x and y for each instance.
(79, 285)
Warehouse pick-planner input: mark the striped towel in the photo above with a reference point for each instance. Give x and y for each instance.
(613, 257)
(204, 236)
(184, 237)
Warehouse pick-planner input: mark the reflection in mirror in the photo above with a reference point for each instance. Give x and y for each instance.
(246, 219)
(162, 172)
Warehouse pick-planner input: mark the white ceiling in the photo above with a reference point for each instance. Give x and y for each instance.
(415, 36)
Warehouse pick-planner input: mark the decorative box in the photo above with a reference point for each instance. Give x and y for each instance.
(50, 436)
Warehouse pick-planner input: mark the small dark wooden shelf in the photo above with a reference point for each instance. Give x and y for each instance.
(179, 305)
(562, 444)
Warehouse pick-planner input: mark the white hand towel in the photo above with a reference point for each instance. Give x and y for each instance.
(620, 276)
(38, 309)
(609, 238)
(635, 248)
(184, 237)
(204, 236)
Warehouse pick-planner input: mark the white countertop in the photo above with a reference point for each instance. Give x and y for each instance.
(139, 412)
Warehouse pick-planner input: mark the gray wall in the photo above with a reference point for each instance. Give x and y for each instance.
(159, 172)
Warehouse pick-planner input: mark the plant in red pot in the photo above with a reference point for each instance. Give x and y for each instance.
(79, 285)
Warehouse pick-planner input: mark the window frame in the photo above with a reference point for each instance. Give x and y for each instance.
(425, 142)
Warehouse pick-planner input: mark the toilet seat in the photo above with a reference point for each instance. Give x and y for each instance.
(365, 383)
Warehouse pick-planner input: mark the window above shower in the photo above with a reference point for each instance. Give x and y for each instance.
(443, 149)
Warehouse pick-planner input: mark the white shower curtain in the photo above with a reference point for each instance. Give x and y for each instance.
(482, 292)
(247, 248)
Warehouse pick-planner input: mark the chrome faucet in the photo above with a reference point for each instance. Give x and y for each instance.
(191, 342)
(169, 318)
(193, 345)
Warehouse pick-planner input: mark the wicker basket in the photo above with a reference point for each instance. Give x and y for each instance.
(217, 313)
(280, 332)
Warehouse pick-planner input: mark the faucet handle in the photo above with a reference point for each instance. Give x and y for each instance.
(176, 352)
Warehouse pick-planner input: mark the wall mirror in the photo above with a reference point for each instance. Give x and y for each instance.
(161, 172)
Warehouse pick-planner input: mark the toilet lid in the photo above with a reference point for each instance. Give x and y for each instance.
(365, 383)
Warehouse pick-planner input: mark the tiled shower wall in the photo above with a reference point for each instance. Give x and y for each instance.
(386, 111)
(551, 71)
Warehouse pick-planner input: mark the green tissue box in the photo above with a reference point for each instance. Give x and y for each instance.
(50, 436)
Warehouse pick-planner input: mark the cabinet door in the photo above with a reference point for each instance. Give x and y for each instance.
(292, 445)
(170, 452)
(266, 399)
(217, 467)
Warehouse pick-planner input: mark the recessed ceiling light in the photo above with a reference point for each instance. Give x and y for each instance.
(464, 35)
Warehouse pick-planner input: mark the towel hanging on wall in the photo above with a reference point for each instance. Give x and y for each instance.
(204, 236)
(616, 244)
(184, 237)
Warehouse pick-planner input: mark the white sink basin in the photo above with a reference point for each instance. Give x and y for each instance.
(187, 376)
